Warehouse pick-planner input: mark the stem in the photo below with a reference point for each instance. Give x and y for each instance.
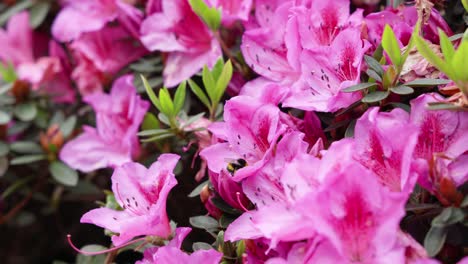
(228, 52)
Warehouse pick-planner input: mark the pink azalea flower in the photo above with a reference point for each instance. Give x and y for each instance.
(249, 129)
(384, 144)
(442, 149)
(321, 22)
(232, 10)
(171, 253)
(327, 71)
(48, 74)
(179, 31)
(78, 17)
(142, 194)
(359, 217)
(114, 140)
(101, 54)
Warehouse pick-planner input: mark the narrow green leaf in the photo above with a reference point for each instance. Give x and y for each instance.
(157, 138)
(449, 216)
(150, 122)
(201, 246)
(63, 174)
(5, 117)
(209, 82)
(198, 189)
(203, 222)
(430, 55)
(446, 45)
(167, 106)
(427, 82)
(27, 159)
(458, 63)
(349, 133)
(179, 97)
(20, 6)
(223, 81)
(391, 46)
(375, 96)
(153, 132)
(199, 93)
(434, 240)
(374, 65)
(217, 68)
(374, 75)
(154, 99)
(26, 111)
(26, 147)
(38, 13)
(68, 126)
(359, 87)
(402, 89)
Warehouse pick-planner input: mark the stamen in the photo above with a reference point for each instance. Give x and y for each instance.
(240, 203)
(87, 253)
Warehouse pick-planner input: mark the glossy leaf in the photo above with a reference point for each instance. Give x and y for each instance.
(204, 222)
(402, 89)
(199, 93)
(427, 82)
(179, 97)
(391, 46)
(375, 97)
(359, 87)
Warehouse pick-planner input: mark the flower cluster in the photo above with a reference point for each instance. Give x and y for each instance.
(330, 126)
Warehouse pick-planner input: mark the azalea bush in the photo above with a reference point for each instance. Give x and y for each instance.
(234, 131)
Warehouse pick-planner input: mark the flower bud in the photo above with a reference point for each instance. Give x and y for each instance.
(53, 137)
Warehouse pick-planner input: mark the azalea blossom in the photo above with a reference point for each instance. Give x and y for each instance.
(441, 150)
(114, 141)
(101, 54)
(142, 194)
(176, 29)
(171, 253)
(84, 16)
(48, 74)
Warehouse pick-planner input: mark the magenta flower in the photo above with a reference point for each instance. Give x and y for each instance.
(78, 17)
(48, 74)
(114, 140)
(101, 54)
(180, 32)
(441, 150)
(358, 216)
(232, 10)
(142, 194)
(171, 253)
(250, 128)
(384, 144)
(327, 71)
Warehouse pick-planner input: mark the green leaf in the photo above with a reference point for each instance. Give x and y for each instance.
(5, 118)
(97, 259)
(63, 174)
(68, 126)
(374, 65)
(26, 111)
(375, 96)
(402, 89)
(4, 149)
(349, 133)
(223, 206)
(430, 55)
(204, 222)
(465, 4)
(199, 93)
(198, 189)
(150, 122)
(6, 88)
(167, 106)
(449, 216)
(211, 16)
(8, 72)
(38, 13)
(374, 75)
(217, 68)
(434, 240)
(458, 63)
(209, 82)
(391, 46)
(26, 147)
(154, 99)
(223, 81)
(179, 97)
(20, 6)
(201, 246)
(193, 119)
(426, 82)
(157, 138)
(153, 132)
(446, 45)
(27, 159)
(359, 87)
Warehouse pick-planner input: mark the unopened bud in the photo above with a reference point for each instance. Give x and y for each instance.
(53, 137)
